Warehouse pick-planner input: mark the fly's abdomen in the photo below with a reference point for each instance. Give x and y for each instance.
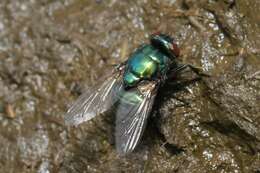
(130, 79)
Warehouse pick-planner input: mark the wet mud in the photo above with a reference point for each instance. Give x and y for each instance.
(51, 50)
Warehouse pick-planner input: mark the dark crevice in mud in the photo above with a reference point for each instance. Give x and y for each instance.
(48, 56)
(234, 132)
(173, 149)
(76, 89)
(108, 128)
(170, 148)
(185, 5)
(231, 4)
(8, 76)
(63, 41)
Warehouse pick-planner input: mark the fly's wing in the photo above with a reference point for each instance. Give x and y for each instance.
(95, 101)
(131, 116)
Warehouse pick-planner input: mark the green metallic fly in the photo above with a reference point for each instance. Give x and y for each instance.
(131, 88)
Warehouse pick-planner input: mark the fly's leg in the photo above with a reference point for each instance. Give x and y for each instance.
(120, 67)
(197, 70)
(175, 71)
(178, 69)
(194, 69)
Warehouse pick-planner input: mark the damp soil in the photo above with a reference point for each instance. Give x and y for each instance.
(50, 50)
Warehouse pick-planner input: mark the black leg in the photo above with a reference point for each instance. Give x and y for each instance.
(176, 70)
(119, 67)
(196, 70)
(179, 68)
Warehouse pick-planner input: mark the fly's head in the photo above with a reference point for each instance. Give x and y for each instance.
(166, 44)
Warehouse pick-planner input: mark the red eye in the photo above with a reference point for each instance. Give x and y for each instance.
(156, 33)
(175, 49)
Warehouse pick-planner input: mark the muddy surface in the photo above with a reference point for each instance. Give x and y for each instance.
(50, 50)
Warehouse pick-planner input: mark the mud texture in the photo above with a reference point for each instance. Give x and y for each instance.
(51, 49)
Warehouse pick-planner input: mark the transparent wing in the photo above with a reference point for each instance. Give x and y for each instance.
(94, 101)
(131, 116)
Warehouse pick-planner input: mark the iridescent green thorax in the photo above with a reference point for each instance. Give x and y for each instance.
(145, 63)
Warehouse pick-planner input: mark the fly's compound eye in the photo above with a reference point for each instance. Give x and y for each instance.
(175, 49)
(156, 33)
(165, 43)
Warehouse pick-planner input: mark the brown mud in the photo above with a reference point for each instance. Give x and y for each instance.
(51, 49)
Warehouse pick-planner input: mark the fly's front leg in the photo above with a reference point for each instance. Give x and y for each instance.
(119, 66)
(180, 67)
(118, 69)
(175, 70)
(197, 70)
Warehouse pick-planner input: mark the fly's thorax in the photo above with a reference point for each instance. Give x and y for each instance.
(143, 66)
(146, 63)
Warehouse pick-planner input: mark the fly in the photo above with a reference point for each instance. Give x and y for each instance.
(131, 88)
